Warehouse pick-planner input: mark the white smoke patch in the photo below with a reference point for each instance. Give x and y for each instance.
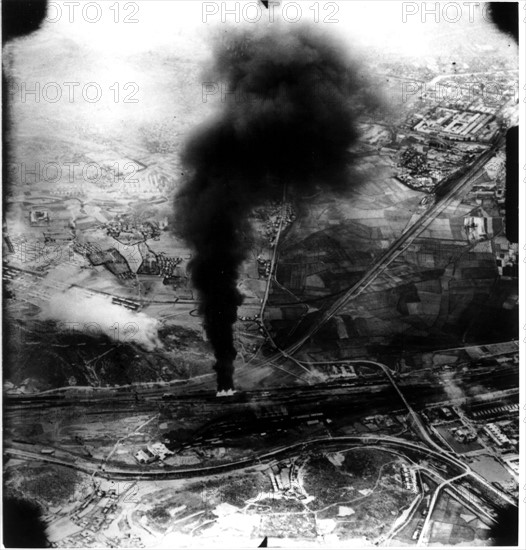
(455, 392)
(75, 310)
(452, 389)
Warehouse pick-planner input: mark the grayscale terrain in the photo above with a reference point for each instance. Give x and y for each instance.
(377, 373)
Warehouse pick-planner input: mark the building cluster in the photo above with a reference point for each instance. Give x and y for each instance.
(286, 483)
(263, 266)
(68, 191)
(96, 513)
(490, 191)
(509, 408)
(448, 132)
(423, 162)
(272, 230)
(478, 228)
(83, 539)
(496, 434)
(464, 434)
(459, 125)
(409, 481)
(282, 216)
(498, 426)
(147, 182)
(125, 224)
(153, 452)
(159, 265)
(489, 188)
(337, 370)
(127, 540)
(413, 160)
(39, 217)
(453, 428)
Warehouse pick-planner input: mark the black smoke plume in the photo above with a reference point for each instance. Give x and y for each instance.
(288, 119)
(506, 16)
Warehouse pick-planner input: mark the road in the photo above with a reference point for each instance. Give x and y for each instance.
(424, 434)
(417, 391)
(273, 261)
(419, 425)
(378, 267)
(423, 539)
(93, 466)
(444, 483)
(399, 245)
(36, 288)
(395, 249)
(270, 279)
(17, 405)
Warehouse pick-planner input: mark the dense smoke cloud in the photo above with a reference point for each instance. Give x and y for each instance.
(288, 119)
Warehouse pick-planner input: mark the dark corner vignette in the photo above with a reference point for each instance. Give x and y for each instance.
(22, 526)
